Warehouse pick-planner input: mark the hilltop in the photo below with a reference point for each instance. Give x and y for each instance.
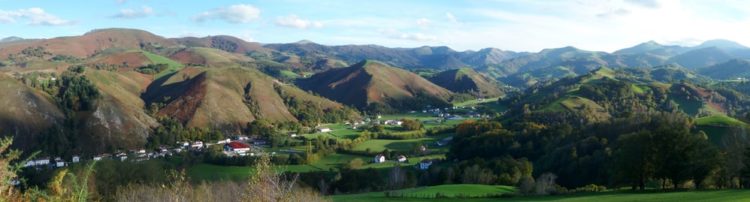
(371, 84)
(466, 80)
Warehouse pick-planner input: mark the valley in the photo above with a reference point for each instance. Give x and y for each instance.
(373, 123)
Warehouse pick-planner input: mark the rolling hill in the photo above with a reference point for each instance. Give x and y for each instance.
(372, 84)
(229, 98)
(606, 93)
(466, 80)
(732, 69)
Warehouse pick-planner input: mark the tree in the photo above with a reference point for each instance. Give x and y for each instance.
(411, 124)
(635, 158)
(355, 163)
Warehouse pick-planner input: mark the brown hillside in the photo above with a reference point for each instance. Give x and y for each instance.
(466, 80)
(119, 119)
(25, 112)
(226, 98)
(91, 42)
(207, 57)
(226, 43)
(370, 82)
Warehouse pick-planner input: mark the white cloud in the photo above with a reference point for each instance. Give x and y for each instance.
(294, 21)
(131, 13)
(451, 18)
(423, 22)
(34, 16)
(598, 25)
(416, 36)
(239, 13)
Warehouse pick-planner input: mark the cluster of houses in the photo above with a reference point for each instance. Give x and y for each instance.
(422, 165)
(235, 147)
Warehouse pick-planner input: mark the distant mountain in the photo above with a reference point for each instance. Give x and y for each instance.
(466, 80)
(702, 57)
(732, 69)
(411, 58)
(11, 39)
(376, 86)
(653, 48)
(666, 73)
(91, 43)
(721, 44)
(226, 43)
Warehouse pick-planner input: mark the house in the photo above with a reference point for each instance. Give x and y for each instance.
(197, 145)
(122, 156)
(223, 141)
(379, 158)
(101, 156)
(422, 149)
(293, 135)
(401, 158)
(324, 130)
(393, 122)
(41, 162)
(425, 164)
(237, 147)
(59, 162)
(76, 159)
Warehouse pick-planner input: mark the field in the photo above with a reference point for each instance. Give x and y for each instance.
(426, 193)
(614, 196)
(173, 66)
(719, 120)
(475, 102)
(398, 145)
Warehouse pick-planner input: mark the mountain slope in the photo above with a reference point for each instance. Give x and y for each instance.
(91, 42)
(26, 112)
(466, 80)
(229, 98)
(374, 84)
(732, 69)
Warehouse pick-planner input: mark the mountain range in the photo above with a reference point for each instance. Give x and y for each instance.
(116, 87)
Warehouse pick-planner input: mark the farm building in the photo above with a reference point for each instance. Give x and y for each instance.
(379, 158)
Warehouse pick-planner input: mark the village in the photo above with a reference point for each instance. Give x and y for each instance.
(243, 145)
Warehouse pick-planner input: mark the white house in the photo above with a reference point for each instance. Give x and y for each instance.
(324, 130)
(425, 164)
(59, 162)
(197, 145)
(122, 156)
(393, 122)
(401, 158)
(41, 162)
(224, 141)
(76, 159)
(379, 158)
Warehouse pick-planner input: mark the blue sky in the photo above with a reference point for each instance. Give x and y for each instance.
(604, 25)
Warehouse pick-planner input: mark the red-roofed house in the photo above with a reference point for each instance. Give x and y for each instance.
(237, 147)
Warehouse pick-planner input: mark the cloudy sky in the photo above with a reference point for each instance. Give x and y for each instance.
(605, 25)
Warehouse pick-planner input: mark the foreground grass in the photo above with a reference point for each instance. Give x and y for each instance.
(614, 196)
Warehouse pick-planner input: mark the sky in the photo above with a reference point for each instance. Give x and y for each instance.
(602, 25)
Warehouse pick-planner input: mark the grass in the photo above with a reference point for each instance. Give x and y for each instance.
(475, 102)
(611, 196)
(173, 66)
(376, 145)
(719, 120)
(426, 193)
